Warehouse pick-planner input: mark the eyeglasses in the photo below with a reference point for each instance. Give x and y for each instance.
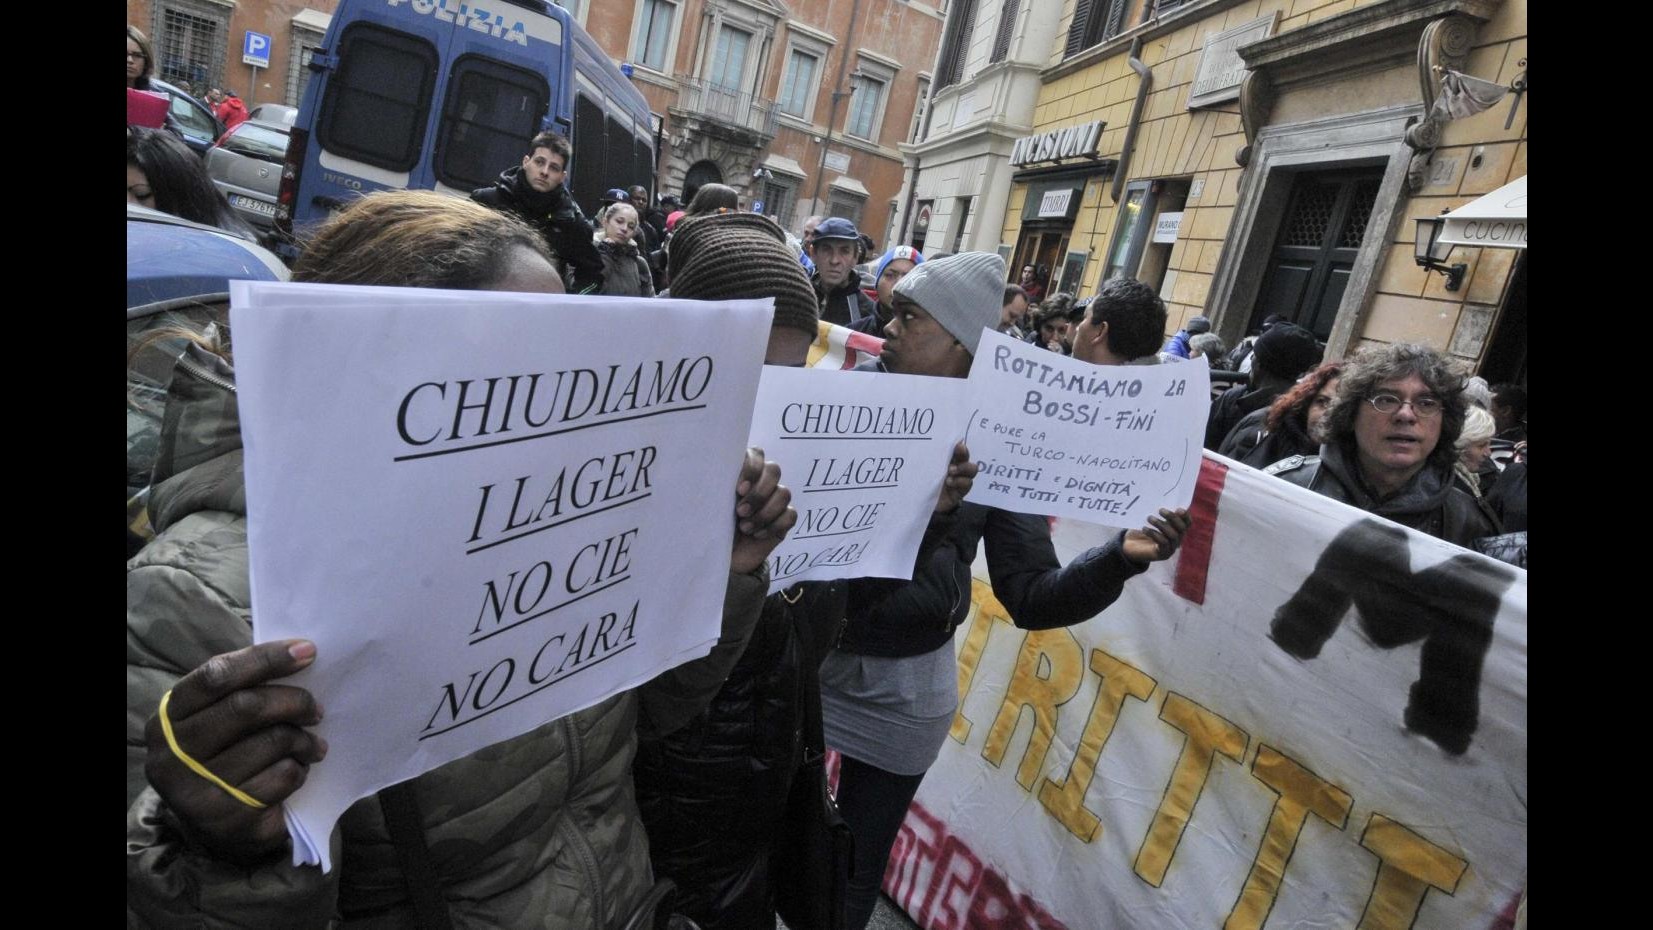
(1423, 407)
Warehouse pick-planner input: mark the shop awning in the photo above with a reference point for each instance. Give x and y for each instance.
(1497, 220)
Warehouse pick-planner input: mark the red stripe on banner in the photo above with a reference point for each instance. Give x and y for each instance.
(1195, 560)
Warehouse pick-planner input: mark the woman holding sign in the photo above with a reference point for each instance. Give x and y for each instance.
(890, 688)
(538, 830)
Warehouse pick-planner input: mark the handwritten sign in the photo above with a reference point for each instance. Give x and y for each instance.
(1060, 437)
(864, 454)
(486, 513)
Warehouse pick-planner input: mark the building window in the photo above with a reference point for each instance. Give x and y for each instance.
(729, 58)
(866, 102)
(1007, 25)
(780, 198)
(955, 42)
(189, 43)
(798, 86)
(304, 45)
(846, 205)
(920, 107)
(651, 43)
(1097, 21)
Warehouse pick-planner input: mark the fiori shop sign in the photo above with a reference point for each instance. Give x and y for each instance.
(1058, 144)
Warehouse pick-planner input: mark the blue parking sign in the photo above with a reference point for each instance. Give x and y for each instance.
(255, 50)
(757, 206)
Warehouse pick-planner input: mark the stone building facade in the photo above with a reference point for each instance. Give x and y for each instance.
(1248, 157)
(200, 41)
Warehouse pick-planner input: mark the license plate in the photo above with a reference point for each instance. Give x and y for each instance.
(257, 206)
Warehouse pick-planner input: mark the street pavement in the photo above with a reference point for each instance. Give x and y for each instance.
(886, 917)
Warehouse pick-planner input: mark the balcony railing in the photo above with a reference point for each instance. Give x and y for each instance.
(746, 111)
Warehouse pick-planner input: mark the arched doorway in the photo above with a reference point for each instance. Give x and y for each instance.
(700, 173)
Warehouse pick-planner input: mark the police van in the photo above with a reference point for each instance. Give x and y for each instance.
(444, 94)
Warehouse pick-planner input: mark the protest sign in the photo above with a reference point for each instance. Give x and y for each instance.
(1108, 444)
(486, 512)
(864, 454)
(1230, 745)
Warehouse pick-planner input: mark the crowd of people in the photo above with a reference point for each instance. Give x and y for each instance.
(666, 801)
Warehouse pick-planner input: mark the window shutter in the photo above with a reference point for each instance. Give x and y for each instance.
(1007, 25)
(1076, 31)
(1116, 19)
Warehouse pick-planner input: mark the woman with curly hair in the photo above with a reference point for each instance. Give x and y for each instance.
(1285, 427)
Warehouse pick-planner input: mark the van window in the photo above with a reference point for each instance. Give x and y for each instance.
(587, 183)
(643, 167)
(618, 164)
(378, 103)
(492, 112)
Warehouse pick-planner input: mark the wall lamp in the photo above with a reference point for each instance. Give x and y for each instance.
(1431, 253)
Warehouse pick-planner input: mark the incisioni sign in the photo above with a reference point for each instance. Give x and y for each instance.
(1058, 144)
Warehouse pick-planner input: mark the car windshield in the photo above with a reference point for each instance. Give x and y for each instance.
(259, 142)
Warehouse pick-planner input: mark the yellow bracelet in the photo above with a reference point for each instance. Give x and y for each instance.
(198, 768)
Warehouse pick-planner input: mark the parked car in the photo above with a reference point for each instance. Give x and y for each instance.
(275, 113)
(246, 166)
(192, 118)
(168, 257)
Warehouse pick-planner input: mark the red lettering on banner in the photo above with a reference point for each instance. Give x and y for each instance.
(1195, 558)
(943, 885)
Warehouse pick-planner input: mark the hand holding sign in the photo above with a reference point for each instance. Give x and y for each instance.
(248, 733)
(1158, 540)
(763, 514)
(961, 475)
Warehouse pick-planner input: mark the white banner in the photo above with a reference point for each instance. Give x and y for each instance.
(1310, 718)
(478, 506)
(864, 454)
(1108, 444)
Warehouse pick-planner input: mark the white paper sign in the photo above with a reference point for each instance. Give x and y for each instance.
(1166, 226)
(1060, 437)
(486, 511)
(864, 454)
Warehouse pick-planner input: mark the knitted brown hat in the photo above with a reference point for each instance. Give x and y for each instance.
(724, 256)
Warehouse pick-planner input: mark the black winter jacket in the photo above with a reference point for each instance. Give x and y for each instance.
(712, 794)
(559, 221)
(843, 305)
(1232, 406)
(1250, 443)
(1429, 503)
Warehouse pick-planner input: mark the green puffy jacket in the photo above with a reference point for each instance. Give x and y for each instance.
(537, 831)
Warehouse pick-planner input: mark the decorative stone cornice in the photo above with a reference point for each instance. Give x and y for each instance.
(1386, 31)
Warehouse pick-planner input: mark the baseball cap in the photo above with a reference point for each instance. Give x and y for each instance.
(837, 228)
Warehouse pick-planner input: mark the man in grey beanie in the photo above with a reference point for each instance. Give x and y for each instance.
(890, 687)
(957, 295)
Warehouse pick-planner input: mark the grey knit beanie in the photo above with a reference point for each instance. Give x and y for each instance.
(963, 292)
(723, 256)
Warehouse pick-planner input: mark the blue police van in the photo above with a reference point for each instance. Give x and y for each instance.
(444, 94)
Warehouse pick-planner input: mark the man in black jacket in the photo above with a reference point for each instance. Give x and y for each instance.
(835, 249)
(1282, 355)
(534, 191)
(890, 688)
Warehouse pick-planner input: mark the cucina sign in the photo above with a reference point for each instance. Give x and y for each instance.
(1058, 144)
(1487, 232)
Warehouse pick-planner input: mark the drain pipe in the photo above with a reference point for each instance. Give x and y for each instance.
(832, 109)
(1122, 170)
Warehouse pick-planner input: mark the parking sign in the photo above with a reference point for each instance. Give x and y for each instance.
(757, 206)
(255, 50)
